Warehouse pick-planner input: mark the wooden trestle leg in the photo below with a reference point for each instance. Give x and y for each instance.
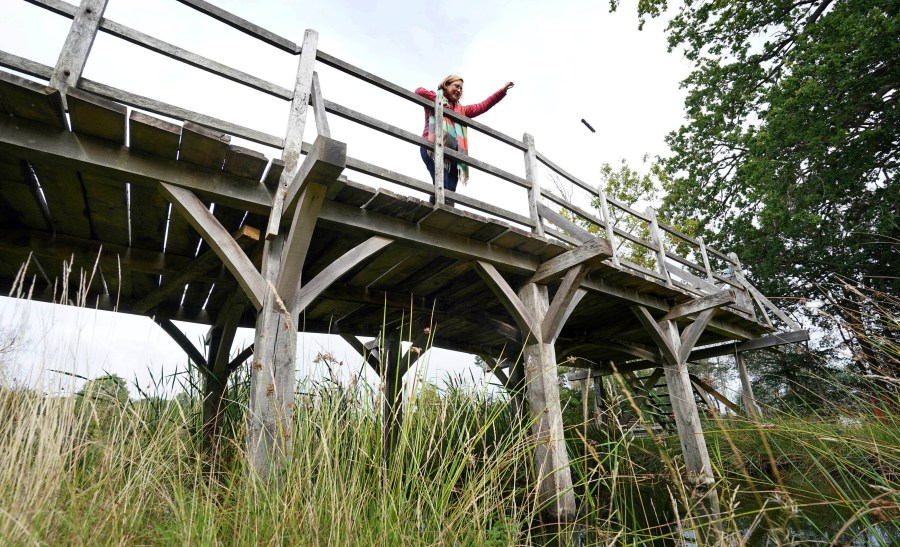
(542, 393)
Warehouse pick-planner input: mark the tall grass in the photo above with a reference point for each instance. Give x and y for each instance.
(97, 470)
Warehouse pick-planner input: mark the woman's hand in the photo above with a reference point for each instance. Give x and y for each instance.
(509, 85)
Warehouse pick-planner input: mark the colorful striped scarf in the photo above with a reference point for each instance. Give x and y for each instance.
(458, 132)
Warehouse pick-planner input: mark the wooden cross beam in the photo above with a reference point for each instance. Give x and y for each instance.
(588, 253)
(698, 305)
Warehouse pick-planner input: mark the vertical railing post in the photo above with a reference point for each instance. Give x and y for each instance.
(439, 147)
(534, 191)
(77, 46)
(744, 299)
(709, 273)
(656, 238)
(293, 140)
(608, 222)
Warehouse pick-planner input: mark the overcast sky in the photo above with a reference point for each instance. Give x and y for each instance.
(569, 60)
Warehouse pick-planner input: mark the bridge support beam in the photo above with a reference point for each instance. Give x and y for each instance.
(676, 348)
(383, 355)
(542, 393)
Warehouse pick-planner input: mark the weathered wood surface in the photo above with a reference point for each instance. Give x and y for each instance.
(74, 53)
(86, 178)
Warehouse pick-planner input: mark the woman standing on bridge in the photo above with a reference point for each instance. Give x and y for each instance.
(455, 134)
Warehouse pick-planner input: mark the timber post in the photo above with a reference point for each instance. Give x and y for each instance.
(540, 321)
(438, 154)
(554, 477)
(749, 399)
(534, 191)
(676, 345)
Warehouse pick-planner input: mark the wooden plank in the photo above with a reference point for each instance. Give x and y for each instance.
(691, 334)
(151, 135)
(524, 319)
(106, 205)
(779, 339)
(96, 116)
(656, 238)
(354, 194)
(747, 396)
(175, 333)
(437, 147)
(158, 107)
(554, 480)
(26, 99)
(245, 163)
(690, 430)
(20, 201)
(297, 244)
(349, 218)
(202, 146)
(712, 391)
(369, 354)
(768, 303)
(323, 165)
(193, 210)
(25, 66)
(64, 193)
(74, 53)
(662, 341)
(245, 237)
(397, 206)
(586, 254)
(608, 223)
(65, 149)
(61, 247)
(698, 305)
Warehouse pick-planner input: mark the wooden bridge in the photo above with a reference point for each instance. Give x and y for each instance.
(170, 220)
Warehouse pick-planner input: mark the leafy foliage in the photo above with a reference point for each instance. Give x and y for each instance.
(790, 149)
(108, 388)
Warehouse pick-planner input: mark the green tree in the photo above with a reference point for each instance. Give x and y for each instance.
(106, 388)
(790, 150)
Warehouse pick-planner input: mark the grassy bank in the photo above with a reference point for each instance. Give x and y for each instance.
(99, 471)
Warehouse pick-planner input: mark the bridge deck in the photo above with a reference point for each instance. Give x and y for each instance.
(65, 194)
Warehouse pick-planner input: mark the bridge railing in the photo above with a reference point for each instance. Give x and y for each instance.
(643, 245)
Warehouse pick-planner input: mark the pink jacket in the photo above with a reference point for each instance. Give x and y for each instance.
(470, 110)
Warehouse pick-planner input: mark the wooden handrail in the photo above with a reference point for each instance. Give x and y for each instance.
(530, 183)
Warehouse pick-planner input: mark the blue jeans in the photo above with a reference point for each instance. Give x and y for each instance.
(451, 173)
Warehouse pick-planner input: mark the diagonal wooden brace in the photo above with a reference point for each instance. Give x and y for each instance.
(564, 302)
(218, 238)
(510, 300)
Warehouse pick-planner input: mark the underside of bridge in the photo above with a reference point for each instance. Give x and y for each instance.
(110, 207)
